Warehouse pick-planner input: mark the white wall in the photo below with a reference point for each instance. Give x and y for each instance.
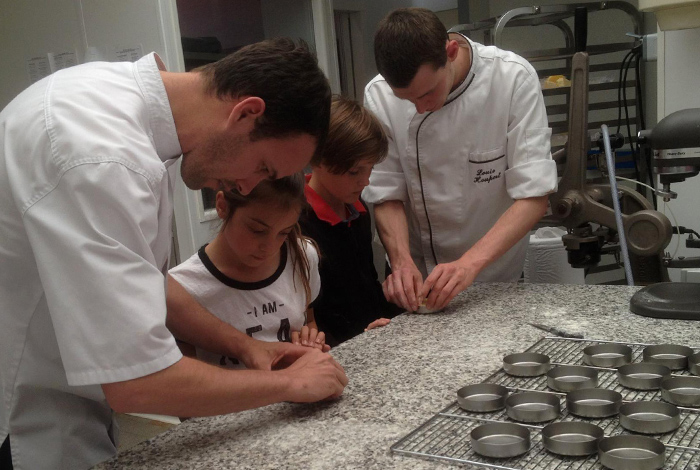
(373, 11)
(679, 88)
(292, 18)
(62, 23)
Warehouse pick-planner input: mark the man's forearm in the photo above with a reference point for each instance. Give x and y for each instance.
(194, 388)
(392, 228)
(188, 321)
(510, 228)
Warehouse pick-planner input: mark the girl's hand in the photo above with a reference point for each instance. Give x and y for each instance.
(310, 337)
(377, 323)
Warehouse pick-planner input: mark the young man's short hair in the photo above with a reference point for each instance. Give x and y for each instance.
(406, 39)
(286, 76)
(355, 134)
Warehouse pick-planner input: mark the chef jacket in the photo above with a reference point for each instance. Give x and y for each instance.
(458, 169)
(85, 230)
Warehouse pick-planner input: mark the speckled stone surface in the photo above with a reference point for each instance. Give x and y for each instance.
(400, 376)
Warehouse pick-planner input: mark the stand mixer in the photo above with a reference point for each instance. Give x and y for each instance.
(587, 210)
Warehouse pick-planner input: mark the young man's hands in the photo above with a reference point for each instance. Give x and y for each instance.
(403, 286)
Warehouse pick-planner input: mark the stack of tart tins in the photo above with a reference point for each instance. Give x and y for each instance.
(579, 438)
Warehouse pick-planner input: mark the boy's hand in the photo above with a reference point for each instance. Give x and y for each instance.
(310, 337)
(378, 323)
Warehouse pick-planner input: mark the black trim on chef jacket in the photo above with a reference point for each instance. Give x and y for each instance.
(6, 455)
(420, 173)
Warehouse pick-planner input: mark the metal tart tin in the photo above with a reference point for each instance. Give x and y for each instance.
(570, 378)
(593, 402)
(628, 452)
(642, 375)
(607, 355)
(571, 438)
(526, 364)
(673, 356)
(500, 440)
(533, 407)
(482, 397)
(650, 417)
(694, 363)
(681, 391)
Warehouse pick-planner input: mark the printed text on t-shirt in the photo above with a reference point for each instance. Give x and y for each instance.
(270, 307)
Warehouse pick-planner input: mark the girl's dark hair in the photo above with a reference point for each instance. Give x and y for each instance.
(406, 39)
(285, 193)
(286, 76)
(355, 134)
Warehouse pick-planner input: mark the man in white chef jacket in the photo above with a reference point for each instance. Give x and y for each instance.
(469, 165)
(85, 231)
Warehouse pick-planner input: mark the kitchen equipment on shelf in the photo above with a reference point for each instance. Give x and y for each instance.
(642, 375)
(694, 364)
(571, 438)
(526, 364)
(500, 440)
(629, 452)
(681, 391)
(607, 355)
(593, 402)
(570, 378)
(673, 356)
(533, 407)
(443, 436)
(650, 417)
(483, 397)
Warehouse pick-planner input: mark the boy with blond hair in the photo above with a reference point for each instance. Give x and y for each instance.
(352, 300)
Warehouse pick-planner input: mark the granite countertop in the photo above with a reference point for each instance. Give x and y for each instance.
(400, 376)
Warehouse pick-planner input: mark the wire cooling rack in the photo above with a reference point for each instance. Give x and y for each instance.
(445, 436)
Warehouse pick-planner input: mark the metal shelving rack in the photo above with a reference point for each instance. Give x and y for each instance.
(557, 61)
(606, 61)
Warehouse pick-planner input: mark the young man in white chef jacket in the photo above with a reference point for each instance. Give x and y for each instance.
(469, 165)
(85, 231)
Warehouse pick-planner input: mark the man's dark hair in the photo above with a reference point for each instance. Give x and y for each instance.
(406, 39)
(286, 76)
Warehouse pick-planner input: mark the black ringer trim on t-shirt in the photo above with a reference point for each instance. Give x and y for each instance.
(240, 285)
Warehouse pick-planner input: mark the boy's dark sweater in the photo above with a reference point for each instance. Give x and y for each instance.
(351, 295)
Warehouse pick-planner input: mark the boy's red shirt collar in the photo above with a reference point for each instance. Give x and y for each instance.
(323, 210)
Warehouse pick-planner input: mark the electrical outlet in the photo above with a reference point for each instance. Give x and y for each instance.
(649, 47)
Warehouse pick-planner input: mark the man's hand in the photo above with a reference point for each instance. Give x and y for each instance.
(403, 287)
(315, 376)
(263, 355)
(445, 282)
(405, 282)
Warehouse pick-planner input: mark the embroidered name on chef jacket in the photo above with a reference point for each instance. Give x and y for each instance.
(486, 176)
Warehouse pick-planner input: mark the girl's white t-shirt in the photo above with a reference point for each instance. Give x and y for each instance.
(268, 310)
